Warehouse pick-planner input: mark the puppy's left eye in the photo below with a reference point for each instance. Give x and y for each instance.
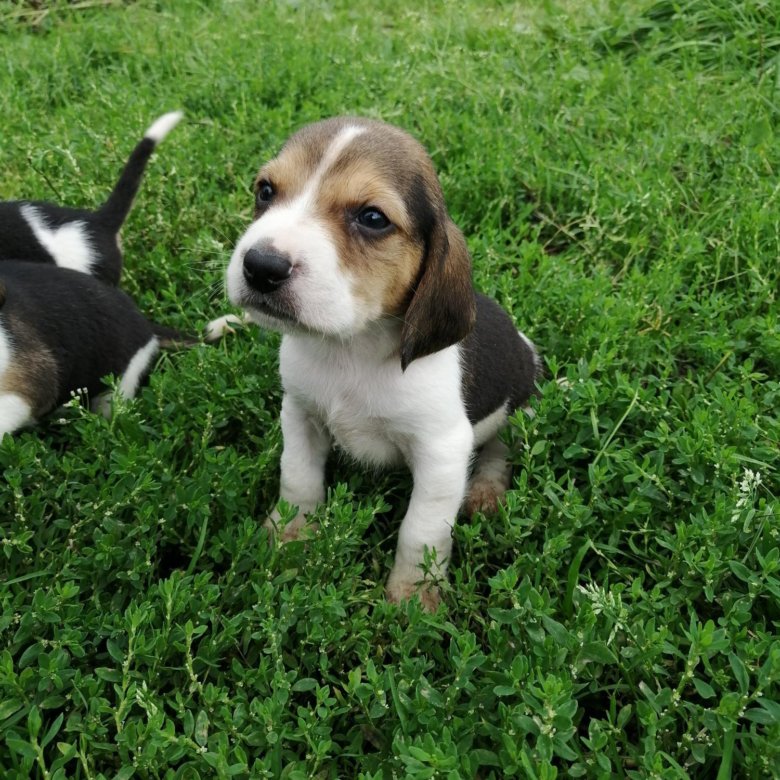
(373, 219)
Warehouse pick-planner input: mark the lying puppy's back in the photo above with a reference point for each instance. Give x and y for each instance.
(63, 331)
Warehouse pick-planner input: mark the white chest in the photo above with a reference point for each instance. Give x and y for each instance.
(368, 439)
(373, 410)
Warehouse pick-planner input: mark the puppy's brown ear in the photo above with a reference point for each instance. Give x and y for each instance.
(2, 293)
(443, 308)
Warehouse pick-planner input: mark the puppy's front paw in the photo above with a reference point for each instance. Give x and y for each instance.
(298, 528)
(397, 591)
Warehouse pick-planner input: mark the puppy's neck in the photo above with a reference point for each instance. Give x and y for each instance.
(377, 344)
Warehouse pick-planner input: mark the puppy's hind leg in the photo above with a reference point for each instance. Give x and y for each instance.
(490, 480)
(137, 370)
(15, 413)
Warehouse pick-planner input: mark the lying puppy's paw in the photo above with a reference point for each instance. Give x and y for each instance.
(217, 328)
(397, 591)
(103, 404)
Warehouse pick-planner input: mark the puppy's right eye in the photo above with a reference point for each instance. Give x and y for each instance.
(265, 194)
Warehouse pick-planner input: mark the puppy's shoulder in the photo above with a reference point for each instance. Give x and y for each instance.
(500, 364)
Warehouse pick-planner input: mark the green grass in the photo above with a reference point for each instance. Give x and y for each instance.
(615, 168)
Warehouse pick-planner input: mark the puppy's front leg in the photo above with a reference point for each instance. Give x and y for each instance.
(304, 452)
(440, 470)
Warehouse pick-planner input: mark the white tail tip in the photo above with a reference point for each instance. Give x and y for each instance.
(162, 126)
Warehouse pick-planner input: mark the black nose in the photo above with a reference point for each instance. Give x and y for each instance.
(266, 271)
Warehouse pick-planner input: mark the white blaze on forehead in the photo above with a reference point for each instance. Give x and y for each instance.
(286, 226)
(68, 244)
(321, 287)
(332, 153)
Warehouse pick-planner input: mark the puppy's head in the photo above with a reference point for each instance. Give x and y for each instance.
(351, 228)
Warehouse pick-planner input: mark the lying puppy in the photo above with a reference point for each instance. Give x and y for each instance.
(386, 350)
(86, 241)
(62, 331)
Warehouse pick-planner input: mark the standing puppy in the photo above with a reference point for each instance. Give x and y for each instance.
(87, 241)
(386, 350)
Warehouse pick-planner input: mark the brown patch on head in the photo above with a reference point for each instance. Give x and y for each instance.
(384, 265)
(418, 268)
(298, 160)
(422, 269)
(32, 372)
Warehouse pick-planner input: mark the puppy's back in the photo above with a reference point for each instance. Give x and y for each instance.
(66, 331)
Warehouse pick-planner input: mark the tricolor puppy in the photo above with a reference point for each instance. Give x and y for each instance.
(63, 331)
(387, 350)
(82, 240)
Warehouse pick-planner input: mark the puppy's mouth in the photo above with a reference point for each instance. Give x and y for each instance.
(270, 306)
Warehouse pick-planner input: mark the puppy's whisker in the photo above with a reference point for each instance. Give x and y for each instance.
(204, 270)
(214, 252)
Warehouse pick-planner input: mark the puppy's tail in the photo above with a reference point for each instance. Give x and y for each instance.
(170, 338)
(115, 210)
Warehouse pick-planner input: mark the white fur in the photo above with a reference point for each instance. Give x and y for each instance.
(317, 280)
(103, 404)
(15, 413)
(137, 368)
(532, 347)
(162, 126)
(217, 328)
(537, 364)
(68, 244)
(489, 426)
(357, 393)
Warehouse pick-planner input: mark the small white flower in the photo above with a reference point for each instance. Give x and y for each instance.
(746, 491)
(607, 603)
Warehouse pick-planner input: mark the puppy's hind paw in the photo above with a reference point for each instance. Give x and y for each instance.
(485, 495)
